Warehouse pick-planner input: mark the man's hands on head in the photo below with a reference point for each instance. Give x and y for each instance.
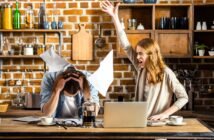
(60, 83)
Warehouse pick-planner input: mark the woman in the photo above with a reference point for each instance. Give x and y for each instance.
(156, 83)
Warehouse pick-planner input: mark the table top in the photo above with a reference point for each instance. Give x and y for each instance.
(193, 129)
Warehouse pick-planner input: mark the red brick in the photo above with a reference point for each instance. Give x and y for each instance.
(73, 12)
(72, 18)
(94, 12)
(83, 5)
(95, 4)
(73, 5)
(127, 82)
(121, 67)
(84, 19)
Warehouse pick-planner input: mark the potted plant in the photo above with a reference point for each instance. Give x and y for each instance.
(201, 49)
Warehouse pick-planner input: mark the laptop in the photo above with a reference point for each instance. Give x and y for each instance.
(125, 114)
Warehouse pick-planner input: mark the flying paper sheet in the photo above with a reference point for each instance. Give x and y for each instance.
(53, 60)
(102, 78)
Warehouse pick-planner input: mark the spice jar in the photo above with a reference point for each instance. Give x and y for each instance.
(28, 50)
(40, 49)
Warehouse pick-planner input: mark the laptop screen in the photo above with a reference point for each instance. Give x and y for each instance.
(125, 114)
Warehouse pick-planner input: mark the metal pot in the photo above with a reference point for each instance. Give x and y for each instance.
(100, 42)
(129, 1)
(32, 101)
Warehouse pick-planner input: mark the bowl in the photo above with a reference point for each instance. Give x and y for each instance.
(150, 1)
(211, 53)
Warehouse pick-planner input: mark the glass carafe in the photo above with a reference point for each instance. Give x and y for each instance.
(89, 114)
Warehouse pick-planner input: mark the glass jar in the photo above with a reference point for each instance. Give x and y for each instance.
(40, 49)
(28, 50)
(29, 17)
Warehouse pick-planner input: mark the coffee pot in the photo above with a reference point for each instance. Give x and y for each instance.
(89, 113)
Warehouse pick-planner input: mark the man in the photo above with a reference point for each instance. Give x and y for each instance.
(63, 92)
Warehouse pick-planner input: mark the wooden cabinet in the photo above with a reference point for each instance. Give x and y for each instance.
(204, 13)
(134, 37)
(174, 42)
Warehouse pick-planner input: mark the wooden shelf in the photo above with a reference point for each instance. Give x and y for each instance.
(19, 56)
(173, 31)
(33, 30)
(204, 31)
(138, 31)
(210, 57)
(150, 4)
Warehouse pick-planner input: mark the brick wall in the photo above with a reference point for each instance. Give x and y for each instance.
(72, 12)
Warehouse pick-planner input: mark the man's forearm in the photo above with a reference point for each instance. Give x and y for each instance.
(50, 107)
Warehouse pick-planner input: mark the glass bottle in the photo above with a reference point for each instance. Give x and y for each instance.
(122, 23)
(195, 46)
(16, 19)
(7, 17)
(35, 46)
(29, 17)
(41, 16)
(0, 16)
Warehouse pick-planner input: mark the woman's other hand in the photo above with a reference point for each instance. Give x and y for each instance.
(107, 7)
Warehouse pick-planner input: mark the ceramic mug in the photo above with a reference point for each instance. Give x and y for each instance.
(46, 120)
(176, 119)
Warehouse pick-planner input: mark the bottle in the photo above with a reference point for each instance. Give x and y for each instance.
(16, 19)
(7, 17)
(29, 17)
(195, 46)
(35, 46)
(122, 23)
(0, 16)
(41, 16)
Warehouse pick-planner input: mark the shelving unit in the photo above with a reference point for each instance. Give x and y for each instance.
(204, 12)
(173, 42)
(42, 31)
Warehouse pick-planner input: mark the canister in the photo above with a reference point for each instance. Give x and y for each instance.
(28, 50)
(7, 17)
(40, 49)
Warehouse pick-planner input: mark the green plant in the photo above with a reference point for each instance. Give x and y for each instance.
(201, 47)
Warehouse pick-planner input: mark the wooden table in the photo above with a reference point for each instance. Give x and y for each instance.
(20, 130)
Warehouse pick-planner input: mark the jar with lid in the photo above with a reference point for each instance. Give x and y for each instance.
(7, 17)
(40, 49)
(29, 17)
(28, 50)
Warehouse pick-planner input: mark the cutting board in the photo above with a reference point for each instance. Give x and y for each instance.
(82, 48)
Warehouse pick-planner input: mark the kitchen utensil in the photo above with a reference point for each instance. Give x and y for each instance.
(82, 45)
(150, 1)
(129, 1)
(32, 101)
(100, 42)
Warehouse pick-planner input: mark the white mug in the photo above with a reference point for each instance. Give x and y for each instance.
(198, 25)
(176, 119)
(46, 120)
(204, 25)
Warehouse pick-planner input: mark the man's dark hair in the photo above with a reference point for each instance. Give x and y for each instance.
(72, 86)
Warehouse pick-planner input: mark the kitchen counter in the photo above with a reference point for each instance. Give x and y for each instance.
(18, 112)
(20, 130)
